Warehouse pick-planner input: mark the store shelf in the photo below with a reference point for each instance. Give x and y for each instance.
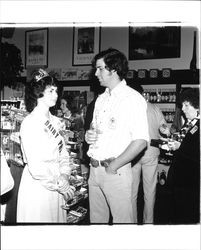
(17, 163)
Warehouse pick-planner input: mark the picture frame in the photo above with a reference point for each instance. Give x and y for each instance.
(130, 74)
(142, 73)
(77, 95)
(166, 72)
(86, 44)
(36, 48)
(154, 42)
(153, 73)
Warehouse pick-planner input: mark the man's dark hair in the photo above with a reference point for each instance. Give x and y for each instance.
(114, 60)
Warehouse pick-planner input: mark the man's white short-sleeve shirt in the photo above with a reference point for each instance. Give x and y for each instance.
(119, 117)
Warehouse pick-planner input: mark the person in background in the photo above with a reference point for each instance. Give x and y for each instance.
(178, 121)
(65, 107)
(45, 178)
(184, 173)
(59, 113)
(118, 133)
(148, 163)
(77, 119)
(7, 183)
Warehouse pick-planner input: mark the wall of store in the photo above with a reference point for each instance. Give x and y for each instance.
(61, 44)
(60, 47)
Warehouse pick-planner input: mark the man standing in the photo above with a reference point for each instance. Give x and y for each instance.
(148, 163)
(118, 133)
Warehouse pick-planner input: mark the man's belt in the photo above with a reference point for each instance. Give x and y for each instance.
(104, 163)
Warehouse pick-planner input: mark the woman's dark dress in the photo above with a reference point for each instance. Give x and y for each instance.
(184, 179)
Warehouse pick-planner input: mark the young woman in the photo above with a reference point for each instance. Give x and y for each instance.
(65, 108)
(45, 179)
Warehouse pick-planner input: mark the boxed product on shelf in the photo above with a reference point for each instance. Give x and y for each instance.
(79, 212)
(79, 195)
(76, 215)
(15, 136)
(76, 181)
(72, 219)
(18, 158)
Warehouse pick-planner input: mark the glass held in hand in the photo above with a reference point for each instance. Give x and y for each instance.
(95, 127)
(93, 133)
(164, 130)
(169, 144)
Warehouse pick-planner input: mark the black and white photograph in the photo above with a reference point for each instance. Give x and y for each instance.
(154, 42)
(100, 128)
(36, 47)
(86, 43)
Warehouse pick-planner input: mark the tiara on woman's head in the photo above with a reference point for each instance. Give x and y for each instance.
(40, 74)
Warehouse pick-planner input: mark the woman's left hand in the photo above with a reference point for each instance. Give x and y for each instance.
(64, 186)
(69, 194)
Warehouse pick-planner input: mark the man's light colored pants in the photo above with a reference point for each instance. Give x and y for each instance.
(113, 193)
(148, 166)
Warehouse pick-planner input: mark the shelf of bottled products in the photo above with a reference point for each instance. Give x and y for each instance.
(164, 96)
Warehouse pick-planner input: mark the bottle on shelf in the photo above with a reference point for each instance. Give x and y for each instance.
(154, 95)
(158, 94)
(162, 96)
(147, 96)
(171, 95)
(193, 65)
(151, 96)
(162, 178)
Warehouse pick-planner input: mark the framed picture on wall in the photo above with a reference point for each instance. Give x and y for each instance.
(78, 95)
(154, 42)
(86, 44)
(36, 48)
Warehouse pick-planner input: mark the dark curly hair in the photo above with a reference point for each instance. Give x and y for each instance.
(114, 60)
(190, 95)
(35, 89)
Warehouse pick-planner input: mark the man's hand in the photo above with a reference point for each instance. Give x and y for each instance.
(111, 168)
(91, 136)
